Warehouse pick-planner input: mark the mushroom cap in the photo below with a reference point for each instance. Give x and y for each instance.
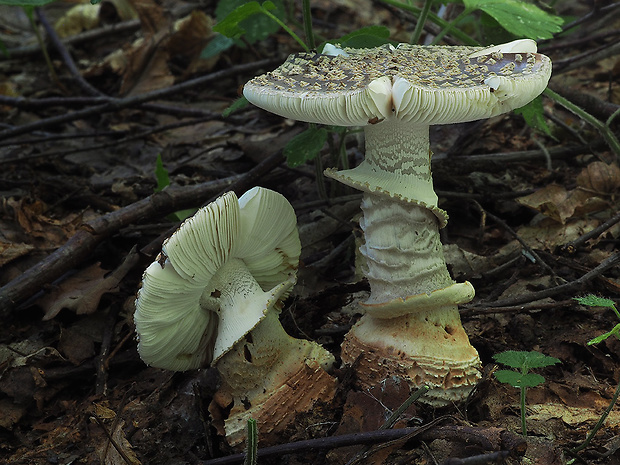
(177, 319)
(421, 84)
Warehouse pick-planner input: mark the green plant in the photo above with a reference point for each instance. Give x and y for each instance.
(251, 451)
(595, 301)
(522, 362)
(163, 181)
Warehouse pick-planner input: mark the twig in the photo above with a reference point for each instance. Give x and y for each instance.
(88, 148)
(493, 457)
(512, 232)
(90, 234)
(121, 103)
(470, 435)
(66, 57)
(391, 421)
(532, 306)
(572, 286)
(571, 247)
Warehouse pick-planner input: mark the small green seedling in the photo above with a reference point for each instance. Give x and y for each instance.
(163, 181)
(595, 301)
(522, 362)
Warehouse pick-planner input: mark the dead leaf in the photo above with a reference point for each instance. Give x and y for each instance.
(81, 293)
(559, 204)
(191, 35)
(547, 234)
(110, 455)
(569, 415)
(32, 217)
(600, 178)
(10, 413)
(77, 19)
(9, 251)
(75, 345)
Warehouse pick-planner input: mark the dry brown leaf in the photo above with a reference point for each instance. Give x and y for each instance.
(11, 251)
(81, 293)
(191, 35)
(109, 455)
(548, 234)
(569, 415)
(75, 345)
(10, 413)
(77, 19)
(147, 61)
(600, 178)
(31, 216)
(559, 204)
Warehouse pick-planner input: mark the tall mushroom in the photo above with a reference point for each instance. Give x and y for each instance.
(411, 328)
(213, 297)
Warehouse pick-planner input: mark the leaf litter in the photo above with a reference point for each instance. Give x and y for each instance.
(72, 389)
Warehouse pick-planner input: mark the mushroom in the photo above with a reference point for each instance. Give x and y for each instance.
(411, 327)
(213, 297)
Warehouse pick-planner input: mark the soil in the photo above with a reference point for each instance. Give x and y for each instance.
(83, 214)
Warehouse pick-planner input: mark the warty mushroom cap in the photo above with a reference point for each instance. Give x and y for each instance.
(420, 84)
(250, 246)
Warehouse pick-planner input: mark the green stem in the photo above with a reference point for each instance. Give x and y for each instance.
(523, 427)
(415, 11)
(30, 14)
(450, 26)
(607, 134)
(251, 453)
(307, 14)
(287, 29)
(403, 407)
(599, 423)
(419, 27)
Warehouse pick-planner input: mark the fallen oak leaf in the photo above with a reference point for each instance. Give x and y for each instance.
(82, 292)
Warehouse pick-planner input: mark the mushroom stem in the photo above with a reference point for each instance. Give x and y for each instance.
(412, 327)
(403, 252)
(271, 377)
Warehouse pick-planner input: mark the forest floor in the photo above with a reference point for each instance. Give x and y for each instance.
(80, 220)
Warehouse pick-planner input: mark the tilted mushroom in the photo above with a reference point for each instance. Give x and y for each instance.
(213, 297)
(411, 328)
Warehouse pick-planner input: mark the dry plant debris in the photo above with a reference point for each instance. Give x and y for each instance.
(534, 222)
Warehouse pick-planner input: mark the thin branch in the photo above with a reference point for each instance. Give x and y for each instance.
(121, 103)
(572, 246)
(472, 436)
(571, 287)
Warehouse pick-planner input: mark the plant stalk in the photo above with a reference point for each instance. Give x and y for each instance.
(523, 425)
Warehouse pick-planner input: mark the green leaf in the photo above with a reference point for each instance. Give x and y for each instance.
(602, 337)
(533, 114)
(216, 46)
(237, 105)
(305, 146)
(366, 37)
(524, 360)
(161, 174)
(519, 18)
(239, 17)
(592, 300)
(519, 380)
(25, 2)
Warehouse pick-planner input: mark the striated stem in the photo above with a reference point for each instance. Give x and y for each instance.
(404, 255)
(411, 328)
